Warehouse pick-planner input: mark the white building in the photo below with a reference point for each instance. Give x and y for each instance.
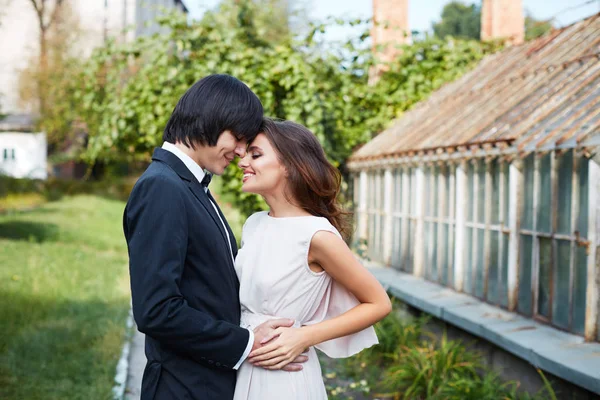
(22, 154)
(96, 20)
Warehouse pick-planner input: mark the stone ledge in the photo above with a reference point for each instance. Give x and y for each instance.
(562, 354)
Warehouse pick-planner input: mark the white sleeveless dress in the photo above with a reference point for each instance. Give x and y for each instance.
(276, 282)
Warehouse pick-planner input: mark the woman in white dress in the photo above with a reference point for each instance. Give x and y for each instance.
(293, 263)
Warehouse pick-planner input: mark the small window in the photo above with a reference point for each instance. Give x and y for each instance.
(8, 154)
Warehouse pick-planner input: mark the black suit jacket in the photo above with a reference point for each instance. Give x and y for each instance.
(183, 285)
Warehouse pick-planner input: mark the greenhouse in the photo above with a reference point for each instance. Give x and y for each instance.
(491, 186)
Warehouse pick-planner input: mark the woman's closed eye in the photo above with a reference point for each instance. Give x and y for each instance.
(255, 156)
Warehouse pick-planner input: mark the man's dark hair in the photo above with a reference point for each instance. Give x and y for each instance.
(214, 104)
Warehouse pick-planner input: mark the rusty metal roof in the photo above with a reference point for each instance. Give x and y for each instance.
(538, 96)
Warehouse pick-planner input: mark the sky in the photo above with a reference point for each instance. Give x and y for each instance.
(423, 12)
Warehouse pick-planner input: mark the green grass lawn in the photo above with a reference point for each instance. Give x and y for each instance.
(64, 298)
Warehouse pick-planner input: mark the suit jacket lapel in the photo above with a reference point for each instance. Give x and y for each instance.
(229, 231)
(184, 173)
(198, 191)
(205, 199)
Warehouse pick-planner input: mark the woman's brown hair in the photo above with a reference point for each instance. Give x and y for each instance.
(313, 182)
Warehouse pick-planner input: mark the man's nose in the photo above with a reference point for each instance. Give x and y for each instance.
(240, 150)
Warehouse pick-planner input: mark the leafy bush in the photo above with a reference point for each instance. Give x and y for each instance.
(54, 189)
(412, 363)
(423, 371)
(10, 185)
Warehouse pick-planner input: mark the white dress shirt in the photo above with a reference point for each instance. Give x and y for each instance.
(199, 173)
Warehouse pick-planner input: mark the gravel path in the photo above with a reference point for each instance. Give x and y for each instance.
(137, 362)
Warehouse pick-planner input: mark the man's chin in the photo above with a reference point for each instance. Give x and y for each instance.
(216, 170)
(222, 169)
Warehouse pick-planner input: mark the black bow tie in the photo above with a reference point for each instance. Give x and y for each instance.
(206, 180)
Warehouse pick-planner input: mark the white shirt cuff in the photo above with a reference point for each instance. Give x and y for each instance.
(247, 351)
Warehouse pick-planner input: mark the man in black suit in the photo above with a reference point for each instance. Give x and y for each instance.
(181, 250)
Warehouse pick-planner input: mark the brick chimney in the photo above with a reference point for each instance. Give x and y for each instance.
(390, 29)
(503, 19)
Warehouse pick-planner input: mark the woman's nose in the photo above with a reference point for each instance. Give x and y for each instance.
(243, 162)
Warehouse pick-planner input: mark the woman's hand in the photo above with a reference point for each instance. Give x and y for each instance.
(286, 344)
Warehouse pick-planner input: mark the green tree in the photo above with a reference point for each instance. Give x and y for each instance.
(535, 28)
(45, 84)
(47, 18)
(275, 21)
(125, 94)
(459, 20)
